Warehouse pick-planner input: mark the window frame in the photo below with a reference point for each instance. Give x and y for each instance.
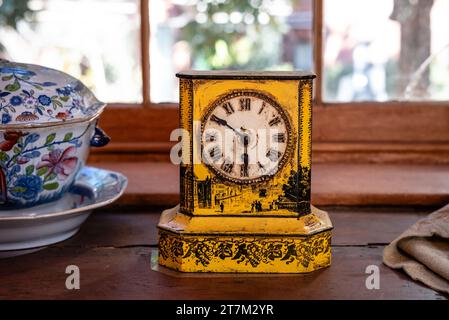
(365, 131)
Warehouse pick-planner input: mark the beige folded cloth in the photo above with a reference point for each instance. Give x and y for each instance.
(423, 251)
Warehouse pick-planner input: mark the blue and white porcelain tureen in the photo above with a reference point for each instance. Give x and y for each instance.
(47, 124)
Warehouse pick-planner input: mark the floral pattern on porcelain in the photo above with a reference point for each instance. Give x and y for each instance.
(39, 166)
(36, 94)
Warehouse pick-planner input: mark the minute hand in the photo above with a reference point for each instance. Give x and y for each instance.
(245, 154)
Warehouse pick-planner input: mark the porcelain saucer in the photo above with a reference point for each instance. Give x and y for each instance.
(27, 230)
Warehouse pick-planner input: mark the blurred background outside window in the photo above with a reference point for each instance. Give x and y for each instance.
(221, 34)
(96, 41)
(378, 50)
(374, 50)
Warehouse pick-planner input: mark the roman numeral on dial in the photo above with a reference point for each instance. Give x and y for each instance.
(273, 155)
(243, 171)
(279, 137)
(227, 106)
(215, 154)
(274, 121)
(210, 137)
(262, 107)
(261, 167)
(227, 166)
(245, 104)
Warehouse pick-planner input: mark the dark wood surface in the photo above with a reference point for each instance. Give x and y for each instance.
(157, 184)
(114, 250)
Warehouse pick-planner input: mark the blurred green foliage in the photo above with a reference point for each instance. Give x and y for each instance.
(12, 11)
(233, 45)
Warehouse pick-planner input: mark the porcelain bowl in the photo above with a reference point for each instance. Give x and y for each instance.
(39, 165)
(48, 122)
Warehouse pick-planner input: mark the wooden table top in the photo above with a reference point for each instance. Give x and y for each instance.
(114, 252)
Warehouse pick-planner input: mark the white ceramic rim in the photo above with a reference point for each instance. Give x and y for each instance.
(76, 210)
(54, 124)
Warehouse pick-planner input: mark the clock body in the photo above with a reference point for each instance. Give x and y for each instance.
(248, 147)
(245, 177)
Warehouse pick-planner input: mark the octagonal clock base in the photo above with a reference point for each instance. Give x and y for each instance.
(239, 244)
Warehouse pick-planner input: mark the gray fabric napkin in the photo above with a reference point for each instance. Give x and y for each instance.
(422, 251)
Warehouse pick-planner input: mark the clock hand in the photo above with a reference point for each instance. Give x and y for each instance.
(245, 142)
(245, 155)
(224, 123)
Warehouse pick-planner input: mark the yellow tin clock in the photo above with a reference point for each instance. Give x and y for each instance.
(245, 177)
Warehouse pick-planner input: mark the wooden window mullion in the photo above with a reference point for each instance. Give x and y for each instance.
(318, 49)
(145, 50)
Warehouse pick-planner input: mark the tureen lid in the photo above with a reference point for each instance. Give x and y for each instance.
(33, 95)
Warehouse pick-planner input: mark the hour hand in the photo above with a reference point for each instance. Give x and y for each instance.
(222, 122)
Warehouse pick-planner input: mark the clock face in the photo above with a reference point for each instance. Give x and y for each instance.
(246, 137)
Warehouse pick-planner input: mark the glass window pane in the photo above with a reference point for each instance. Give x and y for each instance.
(96, 41)
(377, 50)
(225, 34)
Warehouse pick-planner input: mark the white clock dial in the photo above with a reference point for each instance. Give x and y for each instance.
(246, 137)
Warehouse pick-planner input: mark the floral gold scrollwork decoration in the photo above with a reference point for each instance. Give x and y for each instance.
(249, 251)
